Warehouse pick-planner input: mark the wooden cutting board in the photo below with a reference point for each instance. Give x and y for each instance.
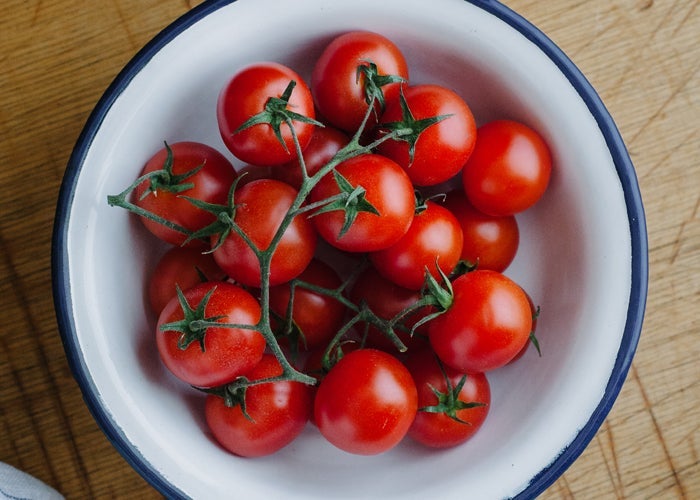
(643, 56)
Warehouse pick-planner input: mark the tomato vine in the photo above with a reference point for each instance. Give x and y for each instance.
(350, 200)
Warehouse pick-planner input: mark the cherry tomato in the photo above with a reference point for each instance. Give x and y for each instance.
(490, 242)
(261, 207)
(183, 267)
(387, 299)
(509, 170)
(366, 403)
(339, 93)
(325, 143)
(278, 413)
(245, 96)
(452, 405)
(210, 183)
(433, 237)
(317, 316)
(387, 188)
(488, 322)
(441, 149)
(211, 356)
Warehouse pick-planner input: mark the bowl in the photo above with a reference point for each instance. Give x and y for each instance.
(583, 252)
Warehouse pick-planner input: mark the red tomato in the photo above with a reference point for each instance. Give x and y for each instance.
(387, 299)
(339, 93)
(211, 183)
(261, 207)
(488, 322)
(325, 143)
(245, 96)
(441, 149)
(387, 188)
(278, 413)
(490, 242)
(317, 316)
(509, 169)
(183, 267)
(434, 236)
(366, 403)
(212, 356)
(459, 409)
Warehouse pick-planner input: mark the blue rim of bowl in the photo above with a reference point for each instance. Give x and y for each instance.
(618, 151)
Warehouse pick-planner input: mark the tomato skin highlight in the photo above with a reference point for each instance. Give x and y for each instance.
(487, 324)
(438, 430)
(388, 189)
(210, 184)
(434, 236)
(279, 413)
(262, 204)
(490, 242)
(443, 148)
(509, 170)
(183, 267)
(245, 95)
(229, 352)
(338, 94)
(366, 403)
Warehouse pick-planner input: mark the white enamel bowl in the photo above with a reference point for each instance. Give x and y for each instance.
(583, 255)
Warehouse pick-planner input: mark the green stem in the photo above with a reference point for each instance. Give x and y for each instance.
(297, 208)
(310, 207)
(335, 293)
(352, 149)
(202, 324)
(121, 200)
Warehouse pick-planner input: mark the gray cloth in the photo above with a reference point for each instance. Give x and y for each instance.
(18, 485)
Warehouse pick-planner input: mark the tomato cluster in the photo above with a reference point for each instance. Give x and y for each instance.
(326, 281)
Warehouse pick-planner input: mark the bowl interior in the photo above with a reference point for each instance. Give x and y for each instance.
(574, 259)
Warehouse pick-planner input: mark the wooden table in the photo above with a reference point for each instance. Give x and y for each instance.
(643, 56)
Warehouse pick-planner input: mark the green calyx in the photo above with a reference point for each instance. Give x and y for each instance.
(373, 83)
(276, 113)
(410, 127)
(333, 355)
(351, 201)
(222, 225)
(193, 326)
(158, 180)
(420, 202)
(233, 394)
(463, 267)
(165, 180)
(448, 402)
(435, 294)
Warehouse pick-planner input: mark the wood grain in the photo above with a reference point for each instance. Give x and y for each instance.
(643, 57)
